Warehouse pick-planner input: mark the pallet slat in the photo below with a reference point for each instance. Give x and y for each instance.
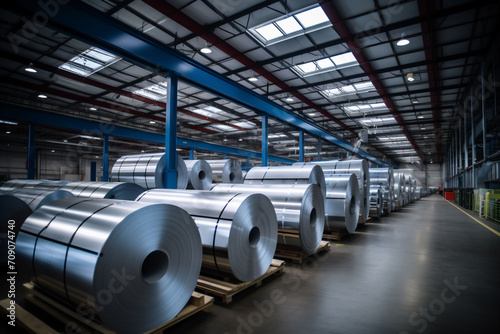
(26, 320)
(297, 255)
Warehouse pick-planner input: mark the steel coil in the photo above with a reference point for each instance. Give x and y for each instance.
(296, 174)
(112, 190)
(376, 202)
(147, 170)
(134, 265)
(13, 213)
(357, 167)
(35, 198)
(15, 184)
(226, 171)
(341, 202)
(199, 174)
(399, 182)
(298, 207)
(238, 231)
(384, 178)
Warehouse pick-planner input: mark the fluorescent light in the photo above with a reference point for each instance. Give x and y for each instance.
(7, 132)
(93, 108)
(152, 122)
(253, 78)
(312, 114)
(206, 49)
(42, 96)
(403, 41)
(420, 116)
(30, 68)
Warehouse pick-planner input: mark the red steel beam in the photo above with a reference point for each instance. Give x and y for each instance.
(187, 22)
(346, 35)
(427, 13)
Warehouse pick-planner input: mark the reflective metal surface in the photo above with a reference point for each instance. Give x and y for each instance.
(16, 211)
(384, 178)
(35, 198)
(226, 171)
(134, 265)
(15, 184)
(238, 231)
(341, 202)
(111, 190)
(376, 202)
(146, 170)
(298, 207)
(199, 174)
(295, 174)
(399, 184)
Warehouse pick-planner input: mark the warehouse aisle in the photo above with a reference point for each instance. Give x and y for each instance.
(428, 268)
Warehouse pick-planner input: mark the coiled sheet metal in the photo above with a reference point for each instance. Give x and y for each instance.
(226, 171)
(134, 265)
(341, 202)
(399, 184)
(238, 231)
(13, 213)
(112, 190)
(146, 170)
(199, 174)
(298, 207)
(357, 167)
(295, 174)
(376, 202)
(384, 178)
(16, 184)
(35, 198)
(407, 189)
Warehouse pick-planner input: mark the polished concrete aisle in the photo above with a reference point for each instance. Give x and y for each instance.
(428, 268)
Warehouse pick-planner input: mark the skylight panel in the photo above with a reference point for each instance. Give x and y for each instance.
(378, 105)
(156, 92)
(89, 62)
(360, 87)
(244, 124)
(269, 32)
(344, 58)
(307, 67)
(348, 89)
(312, 17)
(224, 127)
(364, 86)
(289, 25)
(376, 120)
(324, 63)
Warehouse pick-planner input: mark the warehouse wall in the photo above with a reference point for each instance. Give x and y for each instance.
(429, 175)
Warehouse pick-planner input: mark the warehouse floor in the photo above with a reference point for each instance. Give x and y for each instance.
(428, 268)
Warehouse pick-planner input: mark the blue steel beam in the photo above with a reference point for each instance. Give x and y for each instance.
(170, 172)
(265, 140)
(87, 24)
(22, 114)
(301, 146)
(105, 157)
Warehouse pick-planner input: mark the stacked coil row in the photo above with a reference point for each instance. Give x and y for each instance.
(384, 178)
(226, 171)
(376, 202)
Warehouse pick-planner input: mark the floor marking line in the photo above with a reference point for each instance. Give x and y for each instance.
(476, 220)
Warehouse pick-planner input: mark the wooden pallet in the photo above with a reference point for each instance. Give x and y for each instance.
(225, 289)
(65, 314)
(296, 254)
(335, 235)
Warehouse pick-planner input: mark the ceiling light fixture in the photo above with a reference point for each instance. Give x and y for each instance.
(152, 122)
(7, 132)
(420, 116)
(403, 41)
(410, 77)
(93, 108)
(289, 99)
(225, 139)
(240, 139)
(253, 78)
(42, 96)
(30, 68)
(206, 49)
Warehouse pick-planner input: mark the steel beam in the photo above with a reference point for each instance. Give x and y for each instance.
(170, 172)
(31, 151)
(105, 157)
(89, 25)
(27, 115)
(301, 146)
(265, 140)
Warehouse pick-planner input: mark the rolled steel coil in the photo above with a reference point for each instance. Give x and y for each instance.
(357, 167)
(35, 198)
(298, 207)
(238, 231)
(407, 190)
(384, 178)
(15, 184)
(199, 174)
(341, 202)
(295, 174)
(376, 202)
(147, 170)
(13, 213)
(226, 171)
(133, 265)
(413, 189)
(111, 190)
(399, 182)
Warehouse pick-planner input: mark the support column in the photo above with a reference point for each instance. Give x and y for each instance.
(301, 146)
(170, 172)
(105, 158)
(473, 141)
(482, 110)
(31, 152)
(191, 154)
(265, 148)
(223, 155)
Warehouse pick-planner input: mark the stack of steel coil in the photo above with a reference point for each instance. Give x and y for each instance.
(238, 231)
(376, 202)
(384, 178)
(147, 170)
(341, 202)
(16, 184)
(399, 184)
(226, 171)
(134, 265)
(35, 198)
(296, 174)
(199, 174)
(298, 207)
(112, 190)
(407, 190)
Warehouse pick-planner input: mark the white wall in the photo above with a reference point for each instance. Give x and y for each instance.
(429, 175)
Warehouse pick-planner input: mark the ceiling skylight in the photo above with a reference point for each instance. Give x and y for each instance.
(290, 26)
(337, 62)
(89, 62)
(360, 87)
(376, 120)
(156, 92)
(361, 109)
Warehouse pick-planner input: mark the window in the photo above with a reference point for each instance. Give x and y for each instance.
(322, 65)
(290, 26)
(156, 92)
(89, 62)
(361, 87)
(361, 109)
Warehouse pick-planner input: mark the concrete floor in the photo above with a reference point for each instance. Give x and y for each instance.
(428, 268)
